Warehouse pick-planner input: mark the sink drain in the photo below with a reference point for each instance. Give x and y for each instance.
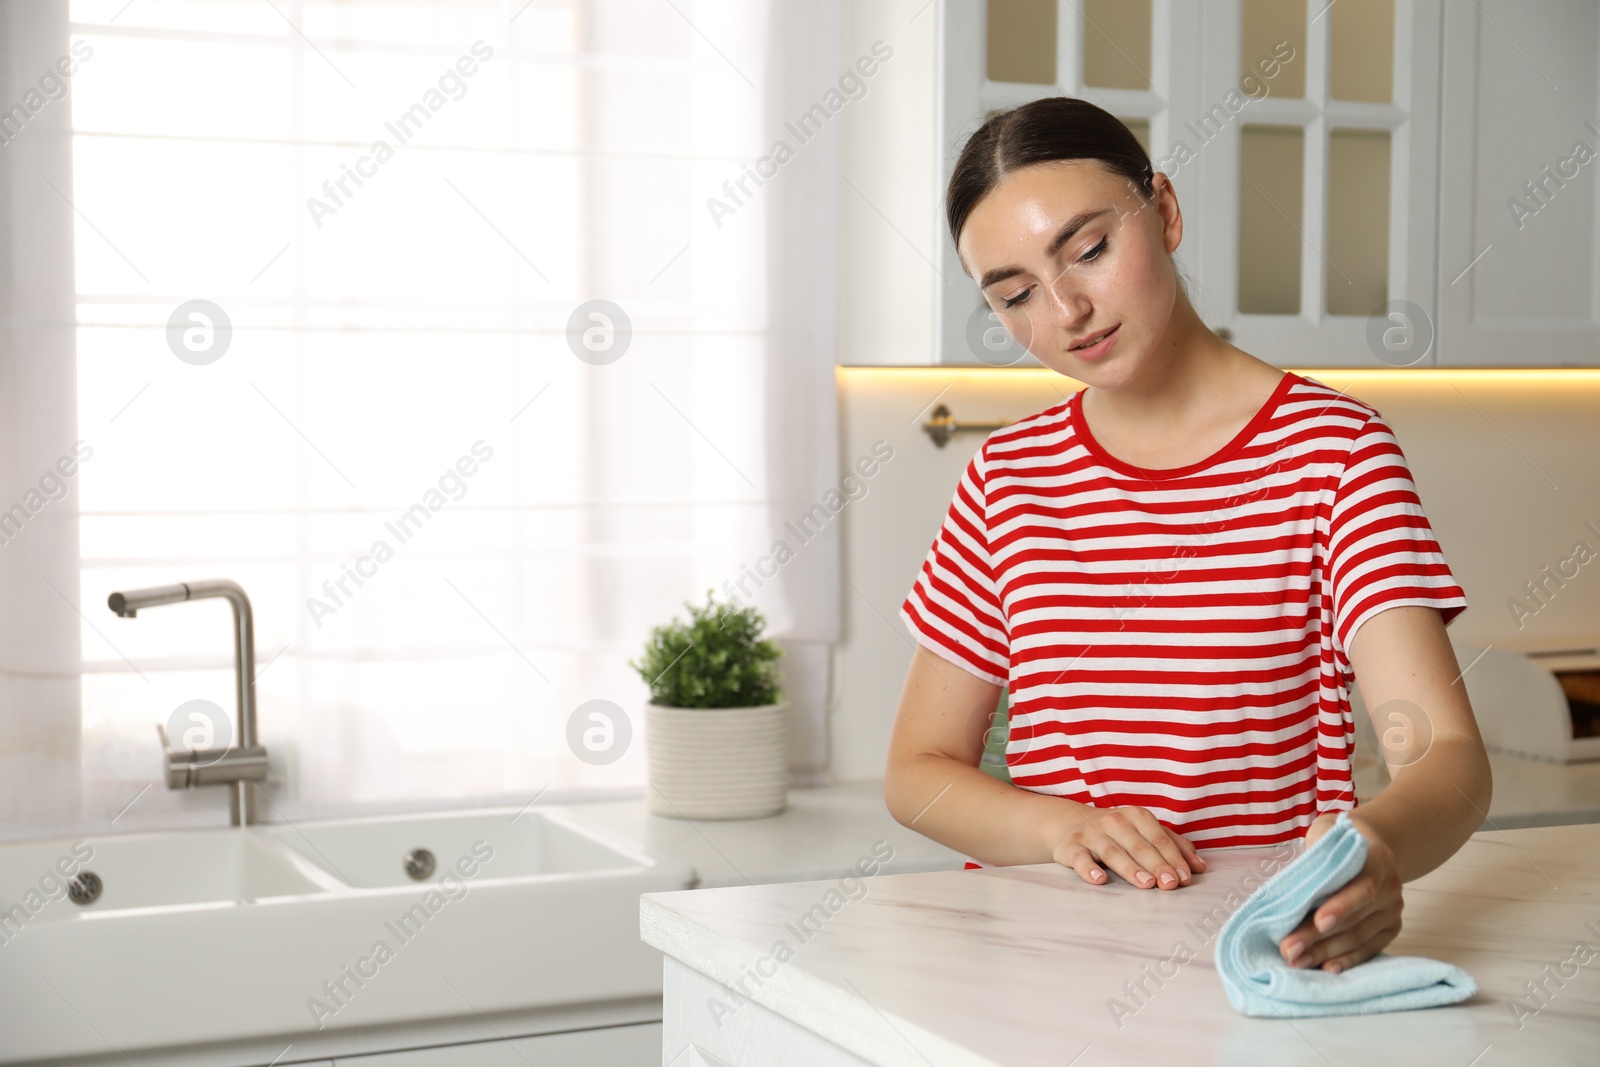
(85, 888)
(419, 864)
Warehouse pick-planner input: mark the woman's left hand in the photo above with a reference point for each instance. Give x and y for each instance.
(1359, 920)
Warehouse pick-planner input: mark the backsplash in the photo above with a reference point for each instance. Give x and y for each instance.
(1504, 462)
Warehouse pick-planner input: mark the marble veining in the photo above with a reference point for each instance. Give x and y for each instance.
(1029, 965)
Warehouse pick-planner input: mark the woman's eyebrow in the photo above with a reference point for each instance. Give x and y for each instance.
(1063, 235)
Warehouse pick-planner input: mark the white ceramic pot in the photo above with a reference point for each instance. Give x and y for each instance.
(718, 763)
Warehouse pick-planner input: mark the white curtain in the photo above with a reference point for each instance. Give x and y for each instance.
(39, 682)
(457, 509)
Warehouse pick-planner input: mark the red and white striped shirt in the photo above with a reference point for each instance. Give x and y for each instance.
(1177, 639)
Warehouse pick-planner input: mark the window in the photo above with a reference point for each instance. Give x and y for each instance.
(334, 266)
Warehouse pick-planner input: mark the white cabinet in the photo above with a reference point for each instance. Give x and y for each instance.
(1301, 139)
(637, 1045)
(1413, 184)
(1519, 259)
(1159, 88)
(1316, 207)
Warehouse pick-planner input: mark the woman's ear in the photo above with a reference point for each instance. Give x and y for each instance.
(1166, 197)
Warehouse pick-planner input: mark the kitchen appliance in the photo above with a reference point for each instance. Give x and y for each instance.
(1543, 704)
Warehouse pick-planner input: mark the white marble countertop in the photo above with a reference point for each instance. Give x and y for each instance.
(1024, 965)
(1527, 792)
(1531, 792)
(823, 831)
(827, 828)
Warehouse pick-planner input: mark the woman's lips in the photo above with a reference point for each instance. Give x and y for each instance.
(1100, 347)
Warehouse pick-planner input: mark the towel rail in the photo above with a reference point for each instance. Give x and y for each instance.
(942, 426)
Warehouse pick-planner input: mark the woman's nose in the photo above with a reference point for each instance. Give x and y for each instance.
(1068, 306)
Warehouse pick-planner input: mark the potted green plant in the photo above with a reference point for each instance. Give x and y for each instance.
(716, 724)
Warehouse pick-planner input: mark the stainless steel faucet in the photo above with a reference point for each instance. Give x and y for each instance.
(244, 762)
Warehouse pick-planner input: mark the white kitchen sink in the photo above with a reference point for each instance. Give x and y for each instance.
(503, 843)
(234, 934)
(148, 870)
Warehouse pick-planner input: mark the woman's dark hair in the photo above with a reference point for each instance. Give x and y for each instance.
(1043, 131)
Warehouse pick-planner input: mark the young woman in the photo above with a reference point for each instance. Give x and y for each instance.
(1178, 572)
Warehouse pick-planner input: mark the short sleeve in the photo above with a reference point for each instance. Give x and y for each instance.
(1382, 552)
(954, 606)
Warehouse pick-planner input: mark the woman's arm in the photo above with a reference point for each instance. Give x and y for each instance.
(932, 784)
(1438, 796)
(1440, 784)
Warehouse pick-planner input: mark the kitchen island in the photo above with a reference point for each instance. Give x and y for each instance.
(1029, 965)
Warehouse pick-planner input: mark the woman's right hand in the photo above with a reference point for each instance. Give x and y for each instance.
(1129, 840)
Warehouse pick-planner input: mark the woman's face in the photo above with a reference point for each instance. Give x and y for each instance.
(1066, 251)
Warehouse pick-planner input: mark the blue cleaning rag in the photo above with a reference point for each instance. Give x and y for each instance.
(1258, 980)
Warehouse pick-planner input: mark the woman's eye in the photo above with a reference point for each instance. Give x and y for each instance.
(1094, 253)
(1018, 299)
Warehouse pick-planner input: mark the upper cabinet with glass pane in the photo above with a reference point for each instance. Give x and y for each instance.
(1135, 58)
(1339, 210)
(1298, 147)
(1317, 199)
